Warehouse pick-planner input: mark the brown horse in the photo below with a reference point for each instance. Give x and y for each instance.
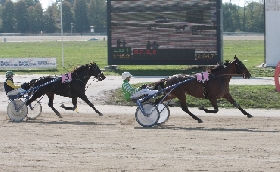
(215, 88)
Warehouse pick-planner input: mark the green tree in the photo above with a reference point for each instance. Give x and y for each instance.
(49, 17)
(97, 13)
(231, 18)
(31, 2)
(70, 1)
(254, 17)
(31, 19)
(67, 16)
(21, 16)
(38, 23)
(1, 23)
(2, 2)
(8, 17)
(35, 18)
(92, 13)
(80, 16)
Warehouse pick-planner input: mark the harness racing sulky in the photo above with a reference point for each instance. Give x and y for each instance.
(72, 85)
(211, 85)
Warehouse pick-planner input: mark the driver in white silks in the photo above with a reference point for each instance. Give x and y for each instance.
(10, 88)
(131, 93)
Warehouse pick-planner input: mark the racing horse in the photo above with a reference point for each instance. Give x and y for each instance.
(75, 88)
(216, 87)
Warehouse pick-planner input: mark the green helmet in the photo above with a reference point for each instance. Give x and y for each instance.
(9, 74)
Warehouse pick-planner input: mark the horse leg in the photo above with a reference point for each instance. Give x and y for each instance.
(74, 102)
(229, 98)
(51, 97)
(182, 99)
(214, 104)
(84, 98)
(29, 101)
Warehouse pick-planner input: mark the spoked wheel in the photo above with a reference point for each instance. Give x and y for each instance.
(17, 110)
(34, 110)
(164, 113)
(147, 120)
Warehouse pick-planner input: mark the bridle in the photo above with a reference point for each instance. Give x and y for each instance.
(91, 67)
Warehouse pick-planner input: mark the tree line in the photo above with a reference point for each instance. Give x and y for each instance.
(249, 18)
(27, 16)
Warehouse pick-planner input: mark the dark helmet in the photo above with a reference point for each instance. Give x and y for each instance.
(9, 74)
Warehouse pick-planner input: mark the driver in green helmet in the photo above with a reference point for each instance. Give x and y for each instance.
(131, 93)
(10, 88)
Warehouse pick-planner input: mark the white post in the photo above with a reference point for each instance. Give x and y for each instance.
(62, 55)
(71, 28)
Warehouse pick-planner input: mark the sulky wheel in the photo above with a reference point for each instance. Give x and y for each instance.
(34, 110)
(17, 110)
(164, 113)
(147, 120)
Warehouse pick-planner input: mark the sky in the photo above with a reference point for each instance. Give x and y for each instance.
(46, 3)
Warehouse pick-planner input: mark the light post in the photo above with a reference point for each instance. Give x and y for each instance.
(62, 53)
(72, 28)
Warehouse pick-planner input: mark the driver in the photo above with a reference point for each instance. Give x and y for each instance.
(10, 88)
(131, 93)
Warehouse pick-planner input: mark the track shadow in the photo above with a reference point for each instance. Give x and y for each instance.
(172, 127)
(66, 122)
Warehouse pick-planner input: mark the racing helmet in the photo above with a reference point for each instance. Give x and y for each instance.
(126, 75)
(9, 74)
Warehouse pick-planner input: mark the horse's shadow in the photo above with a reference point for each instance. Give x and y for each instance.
(172, 127)
(67, 123)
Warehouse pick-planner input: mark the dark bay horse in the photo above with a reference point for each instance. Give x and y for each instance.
(73, 89)
(215, 88)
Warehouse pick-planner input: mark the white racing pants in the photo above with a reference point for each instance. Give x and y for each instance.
(142, 92)
(15, 92)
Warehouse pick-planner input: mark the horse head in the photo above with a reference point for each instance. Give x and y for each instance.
(241, 68)
(230, 68)
(96, 72)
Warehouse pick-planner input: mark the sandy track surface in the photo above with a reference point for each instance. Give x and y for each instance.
(116, 142)
(84, 141)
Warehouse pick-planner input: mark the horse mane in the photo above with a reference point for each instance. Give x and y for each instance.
(220, 66)
(78, 69)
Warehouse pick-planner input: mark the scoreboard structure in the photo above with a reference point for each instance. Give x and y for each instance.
(164, 32)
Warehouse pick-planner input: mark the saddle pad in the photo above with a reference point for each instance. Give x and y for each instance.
(66, 77)
(202, 77)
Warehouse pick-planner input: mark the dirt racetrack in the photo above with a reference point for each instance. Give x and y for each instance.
(116, 142)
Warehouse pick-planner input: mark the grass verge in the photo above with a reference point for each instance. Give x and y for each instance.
(247, 96)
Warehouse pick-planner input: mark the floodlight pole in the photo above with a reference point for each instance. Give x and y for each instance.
(62, 54)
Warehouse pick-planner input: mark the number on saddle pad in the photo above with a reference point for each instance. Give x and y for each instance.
(202, 77)
(66, 77)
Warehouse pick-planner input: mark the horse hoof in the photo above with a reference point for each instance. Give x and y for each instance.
(100, 114)
(200, 121)
(249, 116)
(62, 105)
